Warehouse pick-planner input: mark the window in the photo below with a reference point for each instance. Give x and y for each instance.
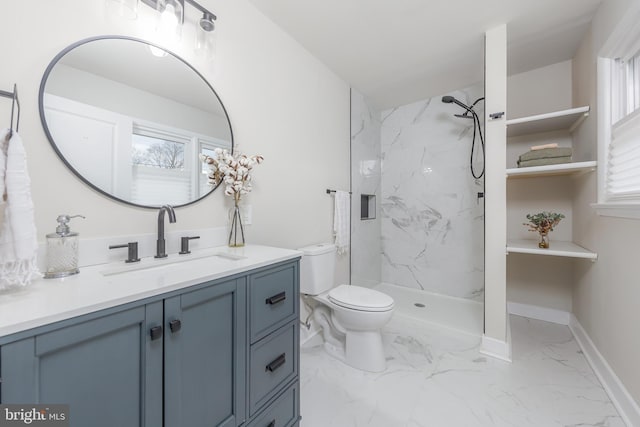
(625, 83)
(208, 147)
(160, 157)
(619, 123)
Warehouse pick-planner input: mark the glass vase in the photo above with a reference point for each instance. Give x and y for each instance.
(544, 241)
(236, 229)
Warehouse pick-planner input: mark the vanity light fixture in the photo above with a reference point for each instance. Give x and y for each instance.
(171, 17)
(206, 22)
(204, 35)
(127, 9)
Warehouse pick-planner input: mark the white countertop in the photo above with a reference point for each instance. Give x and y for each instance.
(103, 286)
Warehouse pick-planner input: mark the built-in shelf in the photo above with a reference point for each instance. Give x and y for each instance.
(557, 248)
(550, 170)
(558, 120)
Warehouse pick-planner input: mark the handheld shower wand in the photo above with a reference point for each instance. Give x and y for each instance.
(476, 122)
(449, 99)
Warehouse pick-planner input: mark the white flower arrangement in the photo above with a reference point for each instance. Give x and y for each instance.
(232, 169)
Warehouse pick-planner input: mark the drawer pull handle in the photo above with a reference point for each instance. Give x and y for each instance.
(272, 423)
(175, 325)
(155, 332)
(276, 298)
(279, 361)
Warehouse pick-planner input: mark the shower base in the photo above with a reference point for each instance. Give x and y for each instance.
(460, 314)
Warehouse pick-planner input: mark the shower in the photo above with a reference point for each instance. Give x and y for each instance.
(425, 245)
(477, 129)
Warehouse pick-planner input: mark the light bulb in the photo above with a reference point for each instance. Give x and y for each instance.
(169, 18)
(156, 51)
(127, 9)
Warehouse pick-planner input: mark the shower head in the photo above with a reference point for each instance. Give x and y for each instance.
(449, 99)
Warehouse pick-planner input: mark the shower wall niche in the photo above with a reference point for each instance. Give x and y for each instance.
(430, 218)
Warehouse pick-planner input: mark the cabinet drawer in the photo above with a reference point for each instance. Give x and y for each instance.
(283, 412)
(273, 363)
(273, 299)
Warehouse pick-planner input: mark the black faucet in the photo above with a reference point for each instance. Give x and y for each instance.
(160, 244)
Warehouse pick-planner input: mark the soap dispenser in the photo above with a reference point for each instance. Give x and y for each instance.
(62, 250)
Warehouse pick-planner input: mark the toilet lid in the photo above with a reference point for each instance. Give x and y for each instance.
(359, 298)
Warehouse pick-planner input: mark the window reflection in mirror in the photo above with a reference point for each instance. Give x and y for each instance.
(131, 124)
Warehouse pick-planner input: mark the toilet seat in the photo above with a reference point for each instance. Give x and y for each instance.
(359, 298)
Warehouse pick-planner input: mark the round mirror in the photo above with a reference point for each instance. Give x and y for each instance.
(131, 119)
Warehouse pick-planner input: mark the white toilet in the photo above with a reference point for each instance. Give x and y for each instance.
(351, 316)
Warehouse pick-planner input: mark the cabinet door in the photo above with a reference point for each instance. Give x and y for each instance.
(107, 369)
(205, 356)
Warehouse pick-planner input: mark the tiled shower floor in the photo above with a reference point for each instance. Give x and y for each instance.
(436, 377)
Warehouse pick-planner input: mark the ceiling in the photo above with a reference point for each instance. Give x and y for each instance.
(400, 51)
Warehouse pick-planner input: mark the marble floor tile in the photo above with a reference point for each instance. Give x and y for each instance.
(436, 377)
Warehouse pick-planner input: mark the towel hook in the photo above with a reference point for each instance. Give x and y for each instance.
(15, 102)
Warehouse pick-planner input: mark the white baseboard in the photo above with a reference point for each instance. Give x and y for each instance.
(539, 313)
(308, 336)
(619, 395)
(497, 348)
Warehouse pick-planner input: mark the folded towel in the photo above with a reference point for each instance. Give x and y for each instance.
(18, 241)
(543, 146)
(544, 162)
(546, 153)
(341, 220)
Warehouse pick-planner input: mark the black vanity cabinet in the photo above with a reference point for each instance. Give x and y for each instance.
(186, 358)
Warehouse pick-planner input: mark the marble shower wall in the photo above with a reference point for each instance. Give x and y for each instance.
(365, 179)
(432, 223)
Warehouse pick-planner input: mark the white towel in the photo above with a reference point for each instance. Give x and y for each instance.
(341, 220)
(18, 241)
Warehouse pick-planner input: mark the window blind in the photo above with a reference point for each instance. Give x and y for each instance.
(623, 168)
(154, 186)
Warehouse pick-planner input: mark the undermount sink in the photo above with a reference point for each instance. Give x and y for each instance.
(156, 263)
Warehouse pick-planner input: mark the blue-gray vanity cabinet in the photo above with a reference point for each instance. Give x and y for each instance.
(108, 369)
(221, 353)
(205, 356)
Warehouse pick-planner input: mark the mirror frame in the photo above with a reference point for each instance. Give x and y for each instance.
(43, 83)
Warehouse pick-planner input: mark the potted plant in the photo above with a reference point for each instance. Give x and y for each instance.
(543, 223)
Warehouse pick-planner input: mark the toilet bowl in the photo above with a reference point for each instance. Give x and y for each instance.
(351, 317)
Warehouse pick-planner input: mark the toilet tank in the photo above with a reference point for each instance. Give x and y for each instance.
(317, 268)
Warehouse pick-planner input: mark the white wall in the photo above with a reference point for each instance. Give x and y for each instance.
(539, 91)
(605, 294)
(495, 310)
(283, 104)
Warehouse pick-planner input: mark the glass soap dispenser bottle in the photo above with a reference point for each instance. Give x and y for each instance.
(62, 250)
